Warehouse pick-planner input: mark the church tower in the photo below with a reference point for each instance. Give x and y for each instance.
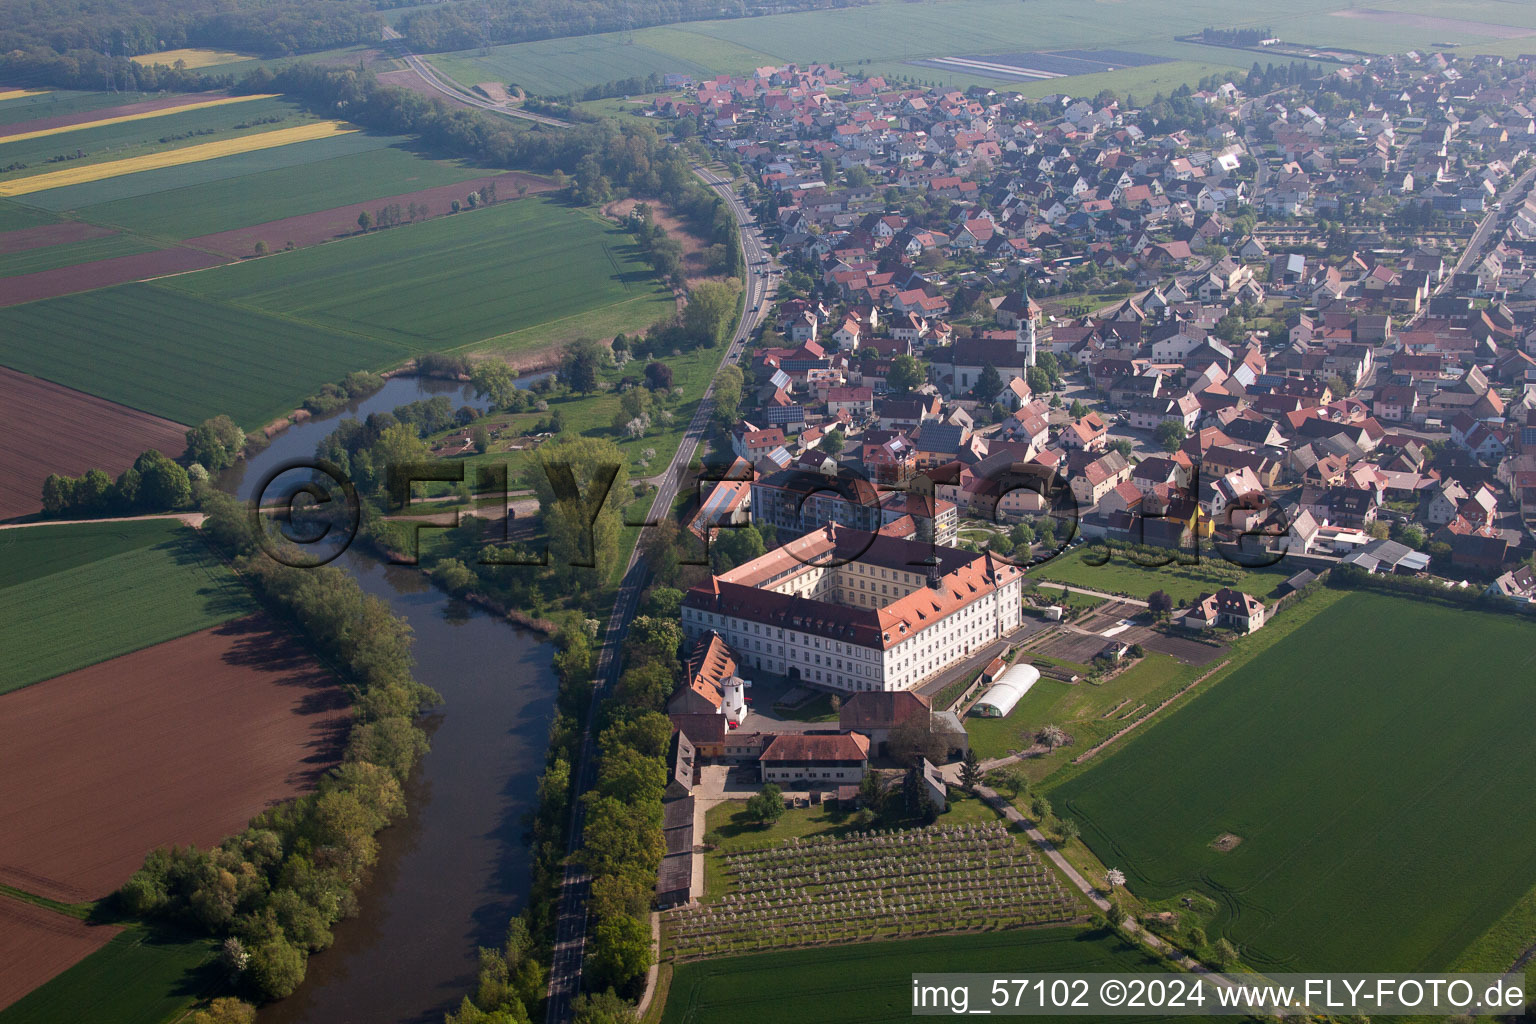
(1025, 332)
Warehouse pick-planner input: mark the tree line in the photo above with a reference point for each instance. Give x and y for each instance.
(154, 483)
(274, 891)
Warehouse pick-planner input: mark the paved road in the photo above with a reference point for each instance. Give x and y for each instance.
(1479, 238)
(571, 924)
(445, 85)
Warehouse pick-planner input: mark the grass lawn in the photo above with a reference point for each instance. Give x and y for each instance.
(140, 977)
(1183, 583)
(1079, 708)
(871, 982)
(1368, 764)
(112, 593)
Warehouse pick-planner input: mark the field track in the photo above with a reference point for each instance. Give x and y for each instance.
(37, 944)
(314, 228)
(85, 277)
(47, 428)
(50, 234)
(179, 743)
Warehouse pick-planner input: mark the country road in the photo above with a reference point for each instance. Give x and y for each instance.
(571, 921)
(445, 85)
(571, 924)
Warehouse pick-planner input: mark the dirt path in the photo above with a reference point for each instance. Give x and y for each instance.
(192, 519)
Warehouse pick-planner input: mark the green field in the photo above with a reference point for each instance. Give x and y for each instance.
(14, 216)
(265, 195)
(446, 283)
(57, 103)
(134, 138)
(150, 183)
(137, 978)
(107, 595)
(1183, 583)
(879, 38)
(872, 982)
(181, 356)
(52, 257)
(1371, 763)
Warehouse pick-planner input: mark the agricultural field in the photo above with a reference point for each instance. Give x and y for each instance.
(37, 943)
(156, 583)
(105, 273)
(139, 977)
(882, 38)
(1183, 583)
(118, 128)
(84, 172)
(1360, 776)
(152, 183)
(45, 428)
(182, 357)
(191, 59)
(872, 981)
(183, 742)
(448, 283)
(40, 258)
(388, 166)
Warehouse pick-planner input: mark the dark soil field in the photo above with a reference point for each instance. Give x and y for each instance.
(50, 234)
(37, 944)
(341, 221)
(84, 277)
(47, 428)
(179, 743)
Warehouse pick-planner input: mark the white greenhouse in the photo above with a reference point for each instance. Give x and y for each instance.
(1006, 691)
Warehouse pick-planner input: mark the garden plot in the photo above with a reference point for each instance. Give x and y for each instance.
(874, 885)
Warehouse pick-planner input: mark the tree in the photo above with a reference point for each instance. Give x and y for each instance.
(658, 376)
(1115, 877)
(832, 442)
(225, 1010)
(906, 374)
(1013, 781)
(1038, 380)
(215, 443)
(1170, 434)
(162, 484)
(494, 380)
(276, 968)
(1225, 954)
(735, 546)
(1078, 410)
(1067, 830)
(766, 806)
(581, 362)
(602, 1008)
(711, 309)
(480, 438)
(988, 383)
(1159, 603)
(728, 384)
(365, 220)
(970, 770)
(1124, 446)
(1052, 736)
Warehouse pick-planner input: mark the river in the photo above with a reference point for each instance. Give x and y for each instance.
(450, 875)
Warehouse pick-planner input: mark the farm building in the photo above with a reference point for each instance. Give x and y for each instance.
(1003, 694)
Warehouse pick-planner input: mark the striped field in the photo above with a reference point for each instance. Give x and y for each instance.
(173, 158)
(223, 101)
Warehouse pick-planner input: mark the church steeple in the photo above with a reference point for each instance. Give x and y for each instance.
(1025, 332)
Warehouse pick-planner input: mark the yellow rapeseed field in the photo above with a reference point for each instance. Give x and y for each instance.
(173, 157)
(191, 58)
(16, 94)
(163, 112)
